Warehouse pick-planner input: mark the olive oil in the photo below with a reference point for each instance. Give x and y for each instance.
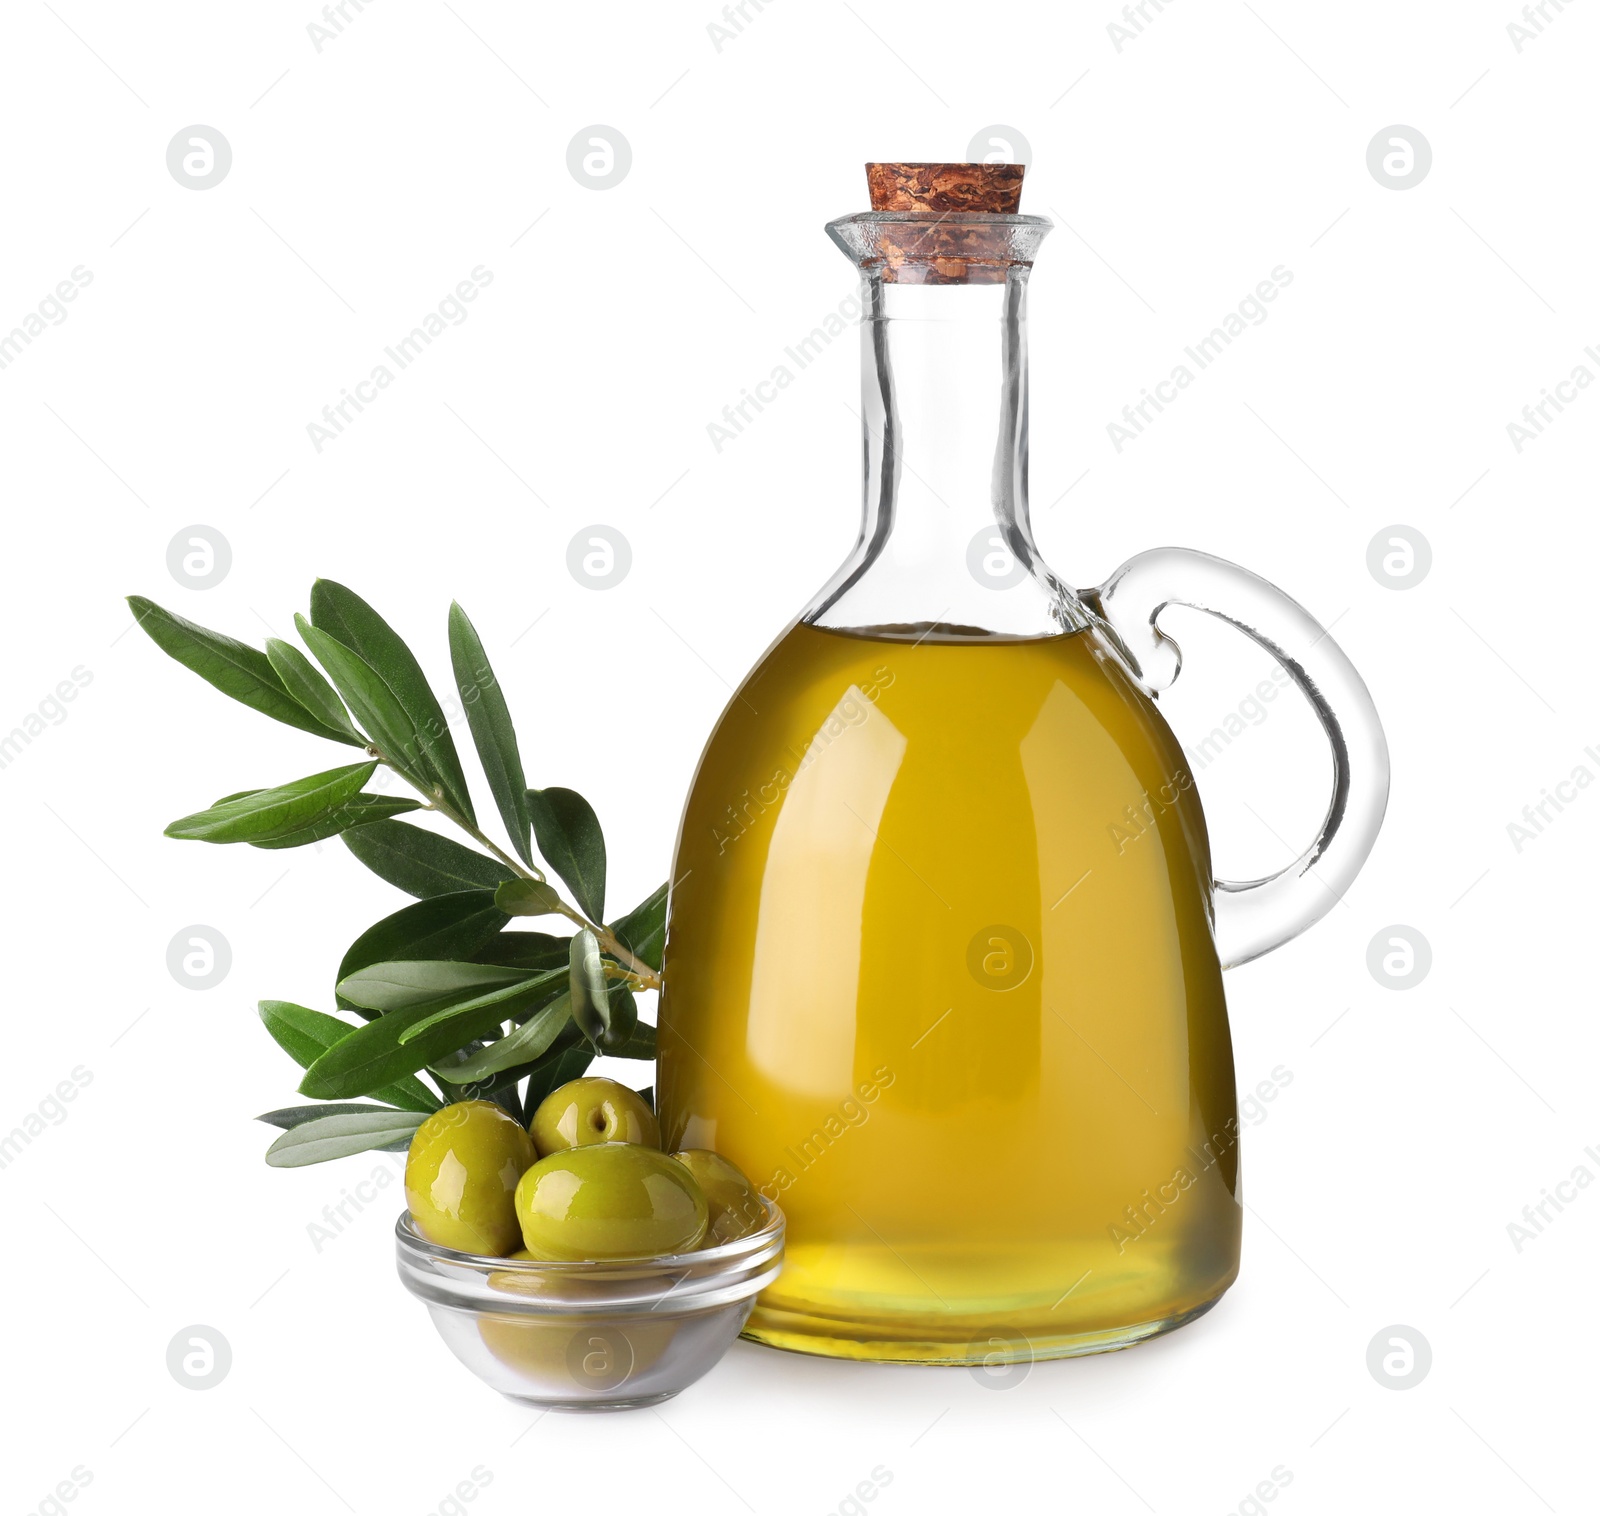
(940, 979)
(944, 949)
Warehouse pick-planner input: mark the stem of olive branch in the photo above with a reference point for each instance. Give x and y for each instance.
(629, 978)
(646, 976)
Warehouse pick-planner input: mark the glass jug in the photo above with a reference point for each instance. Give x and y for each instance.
(944, 961)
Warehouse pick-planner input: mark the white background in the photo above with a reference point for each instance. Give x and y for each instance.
(371, 176)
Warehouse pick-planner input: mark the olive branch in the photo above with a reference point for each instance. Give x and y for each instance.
(441, 988)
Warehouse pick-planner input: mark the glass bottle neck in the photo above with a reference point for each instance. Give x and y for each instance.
(945, 546)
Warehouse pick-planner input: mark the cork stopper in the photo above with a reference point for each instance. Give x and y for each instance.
(942, 223)
(993, 189)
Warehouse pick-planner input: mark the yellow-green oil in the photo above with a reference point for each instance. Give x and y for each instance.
(940, 979)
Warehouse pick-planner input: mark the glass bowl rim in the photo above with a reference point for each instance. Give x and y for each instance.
(412, 1241)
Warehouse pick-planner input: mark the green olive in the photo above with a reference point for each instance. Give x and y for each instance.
(461, 1177)
(562, 1354)
(520, 1281)
(588, 1111)
(735, 1209)
(609, 1201)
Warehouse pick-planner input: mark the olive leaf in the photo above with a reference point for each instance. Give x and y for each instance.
(643, 931)
(572, 844)
(375, 705)
(369, 1058)
(591, 1005)
(451, 926)
(501, 1088)
(359, 810)
(527, 897)
(524, 950)
(560, 1065)
(403, 984)
(293, 1115)
(345, 616)
(529, 1042)
(379, 1052)
(305, 1035)
(511, 1001)
(302, 1033)
(423, 863)
(300, 677)
(622, 1019)
(492, 731)
(353, 815)
(264, 815)
(237, 669)
(326, 1137)
(639, 1043)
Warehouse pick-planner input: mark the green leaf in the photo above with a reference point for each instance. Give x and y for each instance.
(572, 844)
(517, 998)
(527, 897)
(328, 1137)
(591, 1003)
(374, 1055)
(375, 705)
(445, 926)
(621, 1021)
(500, 1088)
(344, 615)
(562, 1064)
(302, 1033)
(606, 1013)
(361, 811)
(411, 1094)
(640, 1042)
(524, 950)
(299, 677)
(492, 731)
(263, 815)
(234, 667)
(293, 1115)
(305, 1035)
(528, 1043)
(643, 931)
(402, 985)
(569, 1054)
(423, 863)
(369, 1058)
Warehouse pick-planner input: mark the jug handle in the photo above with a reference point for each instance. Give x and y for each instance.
(1256, 915)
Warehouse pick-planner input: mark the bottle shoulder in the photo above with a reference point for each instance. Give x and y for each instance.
(941, 687)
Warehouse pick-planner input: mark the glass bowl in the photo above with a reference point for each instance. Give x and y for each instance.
(590, 1336)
